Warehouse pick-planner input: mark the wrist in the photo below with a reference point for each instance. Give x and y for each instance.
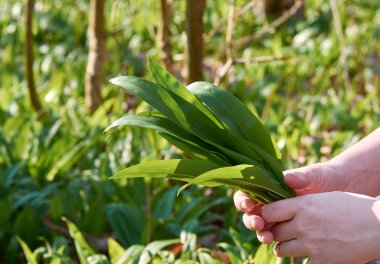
(353, 177)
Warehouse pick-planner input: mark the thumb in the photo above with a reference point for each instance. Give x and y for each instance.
(305, 180)
(297, 180)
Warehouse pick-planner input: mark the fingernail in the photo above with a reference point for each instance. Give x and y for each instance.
(276, 249)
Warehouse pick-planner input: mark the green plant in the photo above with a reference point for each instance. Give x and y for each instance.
(228, 143)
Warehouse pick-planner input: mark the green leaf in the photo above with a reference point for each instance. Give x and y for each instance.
(131, 255)
(235, 115)
(179, 169)
(28, 253)
(177, 109)
(115, 250)
(168, 81)
(265, 255)
(70, 157)
(175, 134)
(184, 140)
(126, 222)
(196, 151)
(83, 249)
(206, 258)
(270, 163)
(154, 247)
(232, 252)
(164, 206)
(97, 259)
(250, 177)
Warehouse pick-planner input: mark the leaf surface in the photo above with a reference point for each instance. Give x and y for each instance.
(168, 81)
(177, 109)
(249, 177)
(234, 115)
(178, 169)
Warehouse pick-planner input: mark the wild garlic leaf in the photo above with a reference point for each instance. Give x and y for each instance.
(177, 109)
(168, 81)
(234, 115)
(229, 143)
(252, 177)
(175, 134)
(177, 169)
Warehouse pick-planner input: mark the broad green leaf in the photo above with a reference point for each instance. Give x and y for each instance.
(164, 206)
(215, 202)
(97, 259)
(168, 81)
(188, 208)
(196, 151)
(184, 140)
(126, 222)
(72, 156)
(232, 252)
(153, 248)
(155, 95)
(175, 134)
(176, 109)
(26, 223)
(234, 115)
(82, 248)
(179, 169)
(115, 250)
(30, 257)
(131, 255)
(270, 162)
(238, 241)
(265, 255)
(206, 258)
(251, 176)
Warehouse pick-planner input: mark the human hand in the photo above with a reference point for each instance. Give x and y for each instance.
(334, 227)
(316, 178)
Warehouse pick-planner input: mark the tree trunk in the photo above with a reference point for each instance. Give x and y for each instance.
(94, 69)
(194, 30)
(163, 35)
(277, 7)
(28, 51)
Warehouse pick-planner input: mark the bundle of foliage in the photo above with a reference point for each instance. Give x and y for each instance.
(229, 144)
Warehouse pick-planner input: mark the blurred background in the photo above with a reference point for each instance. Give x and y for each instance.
(309, 69)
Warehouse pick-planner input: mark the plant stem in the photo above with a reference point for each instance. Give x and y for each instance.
(148, 212)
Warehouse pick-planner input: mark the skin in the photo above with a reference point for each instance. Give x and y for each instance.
(334, 218)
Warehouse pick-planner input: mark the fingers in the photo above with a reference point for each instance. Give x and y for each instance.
(284, 231)
(280, 211)
(243, 203)
(253, 222)
(296, 180)
(265, 237)
(291, 248)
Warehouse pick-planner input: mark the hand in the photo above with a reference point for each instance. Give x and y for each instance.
(334, 227)
(320, 177)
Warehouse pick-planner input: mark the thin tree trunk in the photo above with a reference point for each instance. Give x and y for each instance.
(276, 7)
(163, 35)
(194, 30)
(94, 69)
(28, 50)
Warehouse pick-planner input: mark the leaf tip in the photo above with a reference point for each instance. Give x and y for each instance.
(114, 80)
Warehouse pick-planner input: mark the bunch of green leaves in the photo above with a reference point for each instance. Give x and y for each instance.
(227, 142)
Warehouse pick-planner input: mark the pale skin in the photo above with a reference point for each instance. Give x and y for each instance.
(334, 218)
